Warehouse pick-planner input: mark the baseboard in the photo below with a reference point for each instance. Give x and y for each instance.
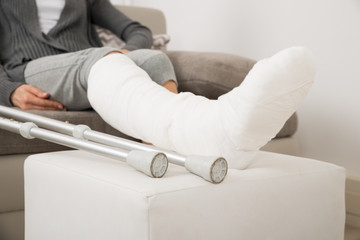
(352, 198)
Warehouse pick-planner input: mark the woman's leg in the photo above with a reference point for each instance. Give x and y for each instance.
(234, 126)
(157, 65)
(64, 76)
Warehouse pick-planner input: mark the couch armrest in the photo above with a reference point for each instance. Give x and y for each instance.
(213, 74)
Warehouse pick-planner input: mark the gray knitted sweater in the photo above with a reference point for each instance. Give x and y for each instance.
(21, 39)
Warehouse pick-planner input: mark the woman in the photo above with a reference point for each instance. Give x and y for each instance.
(66, 61)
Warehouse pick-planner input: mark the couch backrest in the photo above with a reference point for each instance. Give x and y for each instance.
(152, 18)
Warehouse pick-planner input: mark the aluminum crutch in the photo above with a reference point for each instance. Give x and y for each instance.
(153, 164)
(213, 169)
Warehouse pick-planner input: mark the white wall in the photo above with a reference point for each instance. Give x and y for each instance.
(329, 127)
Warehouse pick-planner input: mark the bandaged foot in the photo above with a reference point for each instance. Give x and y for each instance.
(235, 126)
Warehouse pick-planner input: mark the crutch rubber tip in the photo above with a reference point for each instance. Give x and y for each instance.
(153, 164)
(212, 169)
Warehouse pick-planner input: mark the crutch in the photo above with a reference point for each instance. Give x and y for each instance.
(213, 169)
(153, 164)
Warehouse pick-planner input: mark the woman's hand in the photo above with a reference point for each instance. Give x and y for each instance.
(28, 97)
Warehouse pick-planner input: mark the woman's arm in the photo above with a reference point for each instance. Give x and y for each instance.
(136, 35)
(24, 96)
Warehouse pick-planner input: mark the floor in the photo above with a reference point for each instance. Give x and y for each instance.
(352, 233)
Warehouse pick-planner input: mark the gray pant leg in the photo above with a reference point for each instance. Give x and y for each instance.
(155, 63)
(64, 76)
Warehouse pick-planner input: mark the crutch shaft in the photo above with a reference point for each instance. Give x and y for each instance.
(36, 132)
(110, 140)
(152, 164)
(213, 169)
(68, 128)
(40, 121)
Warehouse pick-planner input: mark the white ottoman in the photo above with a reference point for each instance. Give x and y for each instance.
(75, 195)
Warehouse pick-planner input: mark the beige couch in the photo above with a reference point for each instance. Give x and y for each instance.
(208, 74)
